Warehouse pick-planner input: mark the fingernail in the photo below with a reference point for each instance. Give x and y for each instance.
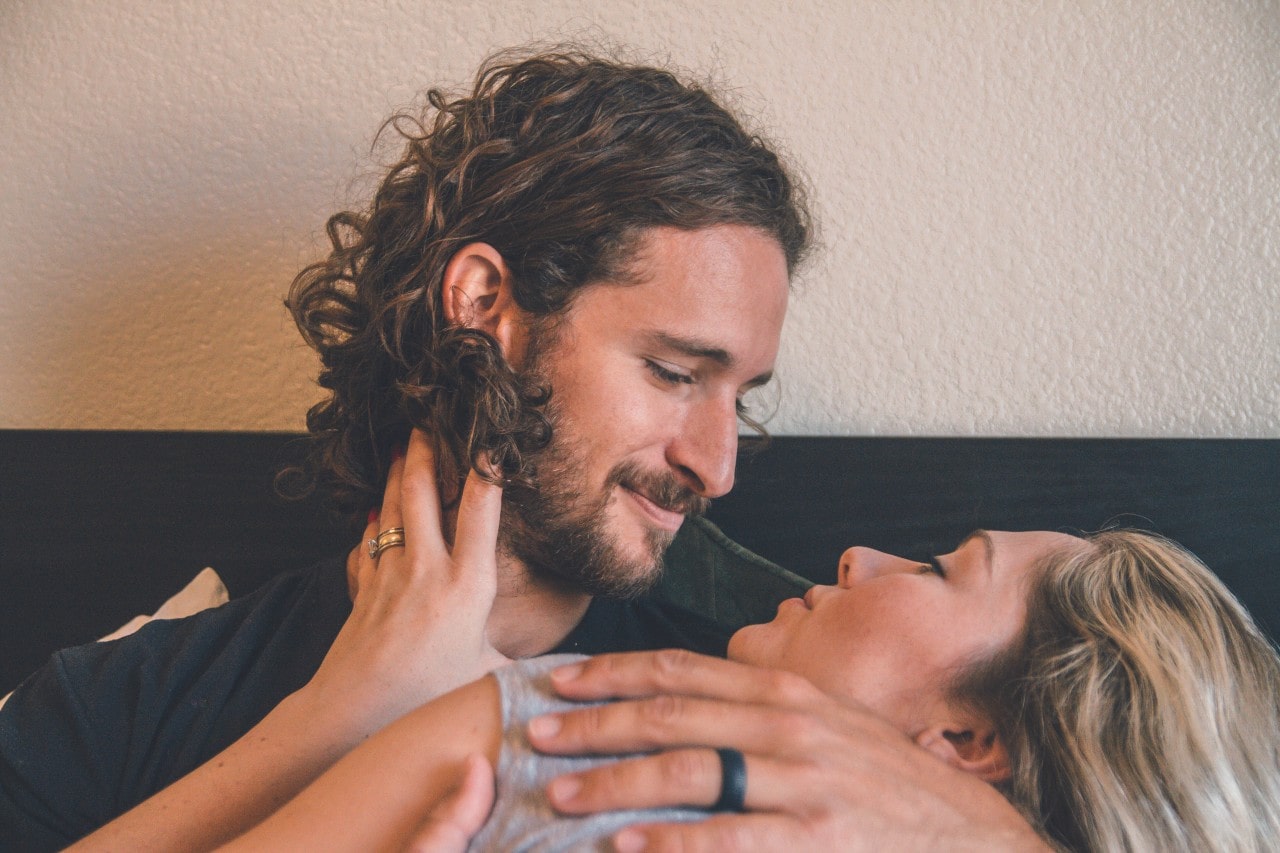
(563, 790)
(566, 673)
(545, 726)
(629, 841)
(373, 515)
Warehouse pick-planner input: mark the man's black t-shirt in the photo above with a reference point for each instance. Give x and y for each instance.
(102, 727)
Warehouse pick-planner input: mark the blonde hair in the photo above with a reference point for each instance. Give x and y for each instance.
(1139, 707)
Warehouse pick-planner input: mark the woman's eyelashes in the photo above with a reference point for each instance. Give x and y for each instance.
(666, 375)
(933, 566)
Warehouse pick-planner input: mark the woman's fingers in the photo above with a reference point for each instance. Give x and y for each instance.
(412, 502)
(459, 816)
(360, 564)
(419, 496)
(479, 513)
(389, 515)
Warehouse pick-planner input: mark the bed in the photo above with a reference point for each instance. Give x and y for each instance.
(97, 527)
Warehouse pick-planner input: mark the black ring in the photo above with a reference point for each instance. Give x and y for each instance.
(733, 781)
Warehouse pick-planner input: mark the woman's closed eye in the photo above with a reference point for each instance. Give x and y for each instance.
(933, 566)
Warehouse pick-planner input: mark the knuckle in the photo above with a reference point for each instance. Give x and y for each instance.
(798, 732)
(790, 688)
(681, 771)
(669, 663)
(586, 722)
(660, 713)
(599, 667)
(602, 786)
(810, 731)
(670, 839)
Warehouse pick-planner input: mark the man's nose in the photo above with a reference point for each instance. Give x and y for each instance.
(705, 452)
(861, 564)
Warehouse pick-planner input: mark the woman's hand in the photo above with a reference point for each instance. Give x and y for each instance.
(417, 625)
(821, 775)
(455, 820)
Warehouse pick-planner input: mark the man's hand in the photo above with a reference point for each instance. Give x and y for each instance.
(453, 822)
(417, 625)
(820, 775)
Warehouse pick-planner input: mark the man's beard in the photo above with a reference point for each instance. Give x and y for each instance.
(561, 531)
(559, 528)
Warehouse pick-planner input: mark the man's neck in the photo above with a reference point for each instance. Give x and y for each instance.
(531, 615)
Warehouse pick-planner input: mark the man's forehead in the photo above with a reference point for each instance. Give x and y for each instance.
(718, 294)
(653, 250)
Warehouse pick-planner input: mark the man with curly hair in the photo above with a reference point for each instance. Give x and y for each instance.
(565, 286)
(453, 304)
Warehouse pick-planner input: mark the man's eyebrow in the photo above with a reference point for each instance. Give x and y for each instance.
(696, 348)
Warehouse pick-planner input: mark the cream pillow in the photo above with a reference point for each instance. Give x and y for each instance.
(205, 590)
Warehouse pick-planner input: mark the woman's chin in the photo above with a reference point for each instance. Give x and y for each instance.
(746, 644)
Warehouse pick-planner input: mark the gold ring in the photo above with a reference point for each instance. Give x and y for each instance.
(392, 537)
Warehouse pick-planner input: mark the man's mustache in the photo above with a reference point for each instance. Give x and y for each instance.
(661, 488)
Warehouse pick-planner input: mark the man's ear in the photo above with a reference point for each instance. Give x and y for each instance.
(476, 292)
(968, 744)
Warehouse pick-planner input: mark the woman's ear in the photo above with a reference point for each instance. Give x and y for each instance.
(971, 745)
(477, 292)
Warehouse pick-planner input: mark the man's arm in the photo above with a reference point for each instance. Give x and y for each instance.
(820, 775)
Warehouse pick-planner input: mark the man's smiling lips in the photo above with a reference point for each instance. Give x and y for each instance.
(662, 517)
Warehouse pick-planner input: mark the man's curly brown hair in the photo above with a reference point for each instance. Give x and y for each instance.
(560, 161)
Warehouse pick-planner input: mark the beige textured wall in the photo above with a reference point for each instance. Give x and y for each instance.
(1056, 218)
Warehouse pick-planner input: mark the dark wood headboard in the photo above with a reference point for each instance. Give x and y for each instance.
(96, 527)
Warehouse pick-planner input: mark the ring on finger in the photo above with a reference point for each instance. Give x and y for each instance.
(733, 781)
(392, 537)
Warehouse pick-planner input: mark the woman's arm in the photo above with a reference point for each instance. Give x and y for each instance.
(416, 631)
(457, 818)
(378, 795)
(240, 786)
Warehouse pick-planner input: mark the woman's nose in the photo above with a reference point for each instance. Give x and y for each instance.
(861, 564)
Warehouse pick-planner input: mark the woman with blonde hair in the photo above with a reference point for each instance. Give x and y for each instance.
(1108, 685)
(1139, 707)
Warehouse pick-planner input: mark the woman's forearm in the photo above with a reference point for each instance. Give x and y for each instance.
(377, 796)
(240, 786)
(382, 790)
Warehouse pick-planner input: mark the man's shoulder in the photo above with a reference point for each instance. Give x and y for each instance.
(246, 621)
(708, 573)
(103, 726)
(255, 643)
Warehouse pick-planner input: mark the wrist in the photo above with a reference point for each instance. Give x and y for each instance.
(321, 723)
